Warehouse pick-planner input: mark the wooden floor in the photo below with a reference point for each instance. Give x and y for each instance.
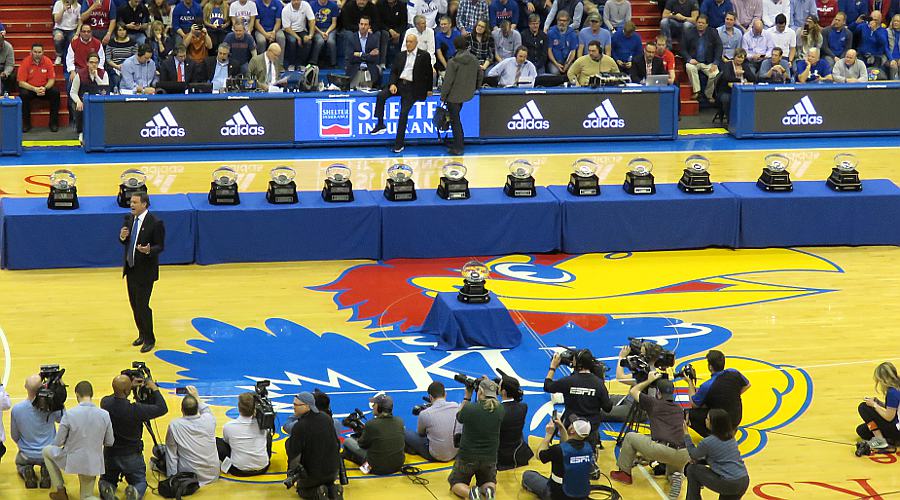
(807, 339)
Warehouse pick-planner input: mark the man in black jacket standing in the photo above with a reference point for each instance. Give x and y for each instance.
(411, 79)
(143, 237)
(462, 78)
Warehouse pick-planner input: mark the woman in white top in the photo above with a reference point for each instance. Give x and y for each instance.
(65, 20)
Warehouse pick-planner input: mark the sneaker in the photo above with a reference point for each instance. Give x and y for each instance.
(878, 443)
(45, 478)
(474, 494)
(379, 128)
(620, 476)
(398, 149)
(107, 492)
(489, 493)
(31, 481)
(675, 485)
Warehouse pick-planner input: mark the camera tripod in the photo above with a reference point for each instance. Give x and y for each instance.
(633, 422)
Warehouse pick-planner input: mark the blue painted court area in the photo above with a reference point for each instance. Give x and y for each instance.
(73, 155)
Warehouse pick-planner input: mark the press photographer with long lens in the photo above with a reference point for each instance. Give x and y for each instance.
(380, 446)
(665, 443)
(584, 393)
(723, 390)
(32, 426)
(191, 440)
(513, 450)
(433, 437)
(880, 427)
(126, 456)
(313, 451)
(246, 443)
(478, 441)
(572, 461)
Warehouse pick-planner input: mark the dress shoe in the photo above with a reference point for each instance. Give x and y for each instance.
(398, 149)
(45, 478)
(138, 341)
(59, 494)
(378, 129)
(54, 127)
(30, 477)
(454, 152)
(148, 347)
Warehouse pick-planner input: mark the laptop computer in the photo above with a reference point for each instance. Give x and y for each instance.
(657, 80)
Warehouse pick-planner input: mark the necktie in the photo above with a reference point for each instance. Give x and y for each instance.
(518, 73)
(180, 76)
(269, 72)
(132, 241)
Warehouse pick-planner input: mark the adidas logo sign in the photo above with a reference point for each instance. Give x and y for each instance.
(163, 124)
(242, 123)
(803, 113)
(604, 116)
(528, 118)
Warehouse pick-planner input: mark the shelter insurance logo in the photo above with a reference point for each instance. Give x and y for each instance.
(335, 117)
(603, 116)
(243, 123)
(528, 118)
(163, 124)
(803, 113)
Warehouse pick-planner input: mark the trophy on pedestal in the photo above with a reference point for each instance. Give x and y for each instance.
(133, 181)
(400, 185)
(695, 178)
(282, 188)
(519, 181)
(639, 179)
(844, 176)
(63, 194)
(453, 184)
(337, 183)
(223, 190)
(583, 180)
(775, 176)
(474, 274)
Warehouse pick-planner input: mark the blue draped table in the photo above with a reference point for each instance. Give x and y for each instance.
(488, 223)
(814, 215)
(669, 219)
(35, 237)
(258, 231)
(458, 325)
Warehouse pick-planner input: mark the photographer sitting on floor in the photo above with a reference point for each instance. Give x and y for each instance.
(584, 393)
(191, 440)
(572, 461)
(32, 430)
(723, 390)
(433, 437)
(513, 450)
(244, 449)
(381, 444)
(313, 451)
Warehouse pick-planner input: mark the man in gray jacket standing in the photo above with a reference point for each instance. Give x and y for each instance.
(83, 432)
(462, 78)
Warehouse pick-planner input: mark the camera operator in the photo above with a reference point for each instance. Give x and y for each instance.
(622, 404)
(244, 447)
(433, 437)
(313, 450)
(584, 394)
(479, 442)
(126, 456)
(665, 443)
(513, 450)
(722, 390)
(32, 430)
(382, 442)
(572, 461)
(191, 440)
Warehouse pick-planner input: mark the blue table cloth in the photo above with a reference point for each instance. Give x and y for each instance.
(458, 325)
(258, 231)
(488, 223)
(35, 237)
(815, 215)
(669, 219)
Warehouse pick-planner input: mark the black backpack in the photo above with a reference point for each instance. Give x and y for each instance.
(179, 485)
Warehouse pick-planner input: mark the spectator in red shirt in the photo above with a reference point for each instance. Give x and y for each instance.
(37, 78)
(826, 9)
(667, 56)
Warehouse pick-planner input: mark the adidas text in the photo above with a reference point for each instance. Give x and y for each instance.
(603, 116)
(802, 120)
(163, 124)
(243, 123)
(162, 132)
(803, 113)
(528, 118)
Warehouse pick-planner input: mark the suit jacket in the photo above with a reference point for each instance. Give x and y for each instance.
(82, 434)
(690, 41)
(422, 74)
(259, 69)
(639, 68)
(153, 233)
(192, 71)
(727, 75)
(208, 71)
(373, 41)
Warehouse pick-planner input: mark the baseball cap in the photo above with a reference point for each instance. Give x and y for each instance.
(488, 388)
(666, 388)
(384, 402)
(581, 427)
(308, 399)
(594, 17)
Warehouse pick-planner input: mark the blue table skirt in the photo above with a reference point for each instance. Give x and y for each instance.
(35, 237)
(669, 219)
(814, 215)
(258, 231)
(458, 325)
(488, 223)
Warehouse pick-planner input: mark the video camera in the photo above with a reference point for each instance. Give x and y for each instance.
(568, 356)
(643, 356)
(52, 394)
(470, 383)
(138, 373)
(356, 422)
(416, 410)
(606, 79)
(263, 409)
(687, 372)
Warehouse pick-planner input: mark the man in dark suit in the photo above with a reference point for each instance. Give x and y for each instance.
(219, 68)
(143, 237)
(641, 67)
(701, 49)
(176, 72)
(363, 49)
(411, 79)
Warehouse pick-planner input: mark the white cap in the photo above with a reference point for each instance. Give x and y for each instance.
(581, 427)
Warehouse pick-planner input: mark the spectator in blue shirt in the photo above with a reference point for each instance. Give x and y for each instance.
(893, 46)
(563, 43)
(183, 16)
(504, 10)
(626, 45)
(872, 40)
(715, 11)
(32, 430)
(813, 69)
(594, 31)
(836, 39)
(854, 10)
(326, 12)
(243, 47)
(443, 42)
(268, 24)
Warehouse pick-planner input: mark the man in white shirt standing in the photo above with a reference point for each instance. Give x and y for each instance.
(191, 440)
(244, 448)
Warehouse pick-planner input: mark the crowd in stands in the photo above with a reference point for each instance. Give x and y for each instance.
(153, 46)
